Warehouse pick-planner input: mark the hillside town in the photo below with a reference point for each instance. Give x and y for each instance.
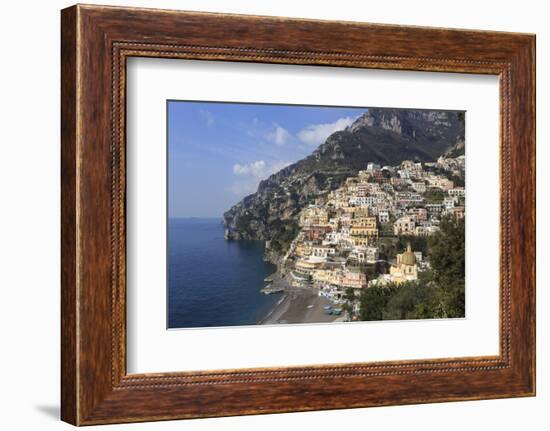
(347, 238)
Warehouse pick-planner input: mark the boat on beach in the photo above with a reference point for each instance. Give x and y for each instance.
(330, 311)
(273, 277)
(270, 290)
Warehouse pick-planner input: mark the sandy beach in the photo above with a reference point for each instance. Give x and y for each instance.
(298, 305)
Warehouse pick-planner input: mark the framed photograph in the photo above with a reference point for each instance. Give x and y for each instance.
(263, 214)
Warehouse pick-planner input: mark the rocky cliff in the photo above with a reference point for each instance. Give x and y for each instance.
(384, 136)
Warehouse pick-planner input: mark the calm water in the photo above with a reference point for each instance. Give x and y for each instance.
(213, 282)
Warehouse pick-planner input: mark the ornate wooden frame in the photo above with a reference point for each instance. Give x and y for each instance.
(96, 41)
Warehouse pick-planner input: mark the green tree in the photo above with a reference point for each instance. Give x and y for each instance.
(434, 196)
(349, 297)
(410, 298)
(373, 302)
(349, 294)
(286, 232)
(447, 251)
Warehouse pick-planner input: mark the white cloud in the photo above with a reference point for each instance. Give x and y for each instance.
(252, 173)
(279, 135)
(258, 169)
(274, 133)
(316, 134)
(208, 117)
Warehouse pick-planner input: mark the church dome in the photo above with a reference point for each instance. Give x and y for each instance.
(408, 258)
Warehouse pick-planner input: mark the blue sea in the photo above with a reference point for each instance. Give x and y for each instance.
(213, 282)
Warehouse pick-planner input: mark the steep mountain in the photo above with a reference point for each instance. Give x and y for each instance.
(456, 150)
(380, 135)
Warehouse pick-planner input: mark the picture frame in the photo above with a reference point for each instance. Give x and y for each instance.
(96, 42)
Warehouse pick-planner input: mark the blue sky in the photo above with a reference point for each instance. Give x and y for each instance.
(219, 152)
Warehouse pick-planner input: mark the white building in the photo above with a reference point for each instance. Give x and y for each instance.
(435, 209)
(456, 192)
(323, 251)
(424, 230)
(419, 187)
(364, 254)
(383, 216)
(449, 203)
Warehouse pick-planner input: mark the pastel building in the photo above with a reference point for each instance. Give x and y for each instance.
(404, 226)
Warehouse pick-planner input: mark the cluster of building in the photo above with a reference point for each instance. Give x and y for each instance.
(341, 233)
